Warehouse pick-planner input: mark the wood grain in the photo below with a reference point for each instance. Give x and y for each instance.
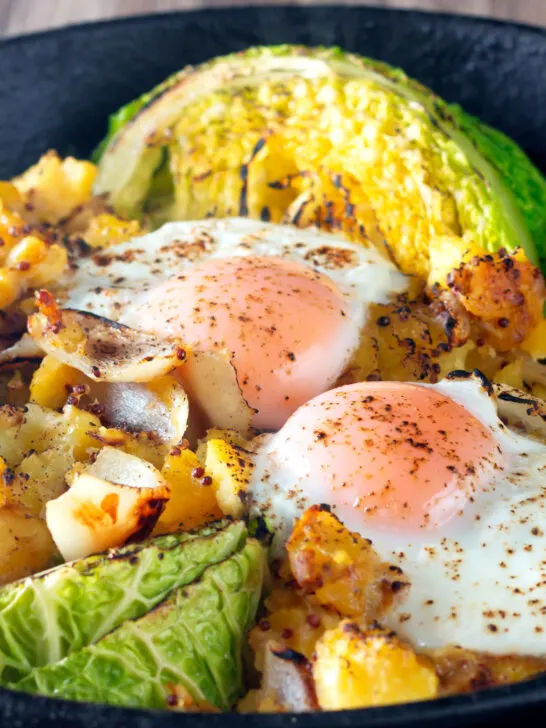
(27, 16)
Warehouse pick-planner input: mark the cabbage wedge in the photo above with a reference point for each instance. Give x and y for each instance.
(323, 137)
(191, 644)
(45, 617)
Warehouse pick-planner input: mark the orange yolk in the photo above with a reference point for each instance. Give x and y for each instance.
(390, 454)
(287, 327)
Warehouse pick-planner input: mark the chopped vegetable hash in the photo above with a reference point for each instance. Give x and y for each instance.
(180, 524)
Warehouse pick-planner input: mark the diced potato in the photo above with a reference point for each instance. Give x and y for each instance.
(105, 230)
(504, 296)
(142, 444)
(40, 445)
(193, 498)
(292, 619)
(231, 468)
(446, 254)
(535, 343)
(29, 250)
(341, 568)
(52, 381)
(10, 197)
(404, 342)
(461, 670)
(53, 187)
(10, 287)
(28, 257)
(360, 669)
(511, 374)
(48, 269)
(25, 544)
(39, 478)
(11, 229)
(234, 438)
(16, 280)
(39, 429)
(77, 426)
(11, 448)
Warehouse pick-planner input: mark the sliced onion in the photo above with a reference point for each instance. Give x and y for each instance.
(288, 678)
(115, 500)
(102, 349)
(22, 350)
(520, 408)
(160, 407)
(211, 383)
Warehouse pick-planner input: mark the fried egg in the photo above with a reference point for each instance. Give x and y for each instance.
(442, 488)
(288, 304)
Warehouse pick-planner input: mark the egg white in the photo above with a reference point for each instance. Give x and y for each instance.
(111, 283)
(480, 581)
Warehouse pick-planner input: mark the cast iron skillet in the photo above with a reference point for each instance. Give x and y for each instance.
(56, 90)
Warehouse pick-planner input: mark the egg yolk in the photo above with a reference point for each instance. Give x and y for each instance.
(390, 454)
(287, 327)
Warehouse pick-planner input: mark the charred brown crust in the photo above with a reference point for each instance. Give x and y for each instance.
(476, 374)
(147, 518)
(507, 397)
(290, 656)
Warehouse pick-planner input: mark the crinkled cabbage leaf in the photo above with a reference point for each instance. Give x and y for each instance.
(194, 639)
(45, 617)
(319, 136)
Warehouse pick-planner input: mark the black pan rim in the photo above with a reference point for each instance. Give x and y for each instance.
(505, 700)
(467, 707)
(450, 17)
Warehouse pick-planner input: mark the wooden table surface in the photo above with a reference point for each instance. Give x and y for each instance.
(25, 16)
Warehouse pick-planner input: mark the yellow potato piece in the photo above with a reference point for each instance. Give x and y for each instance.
(447, 253)
(535, 343)
(511, 374)
(25, 544)
(29, 257)
(10, 287)
(40, 429)
(39, 478)
(292, 619)
(52, 381)
(230, 468)
(53, 187)
(105, 230)
(340, 568)
(359, 669)
(193, 498)
(10, 197)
